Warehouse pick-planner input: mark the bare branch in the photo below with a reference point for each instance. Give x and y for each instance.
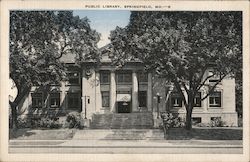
(213, 87)
(177, 85)
(204, 81)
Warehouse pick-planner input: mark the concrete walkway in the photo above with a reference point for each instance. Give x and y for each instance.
(124, 141)
(127, 147)
(123, 138)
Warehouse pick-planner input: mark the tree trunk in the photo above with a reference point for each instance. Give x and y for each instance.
(14, 104)
(14, 123)
(189, 119)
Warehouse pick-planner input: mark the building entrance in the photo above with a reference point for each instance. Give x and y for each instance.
(123, 103)
(123, 107)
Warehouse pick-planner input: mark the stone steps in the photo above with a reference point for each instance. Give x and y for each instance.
(140, 120)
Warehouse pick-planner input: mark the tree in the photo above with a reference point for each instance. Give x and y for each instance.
(38, 39)
(182, 46)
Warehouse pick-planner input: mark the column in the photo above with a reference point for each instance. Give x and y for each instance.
(205, 102)
(62, 96)
(149, 92)
(84, 91)
(134, 92)
(98, 96)
(112, 92)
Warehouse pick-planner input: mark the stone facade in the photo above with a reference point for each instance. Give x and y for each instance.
(105, 89)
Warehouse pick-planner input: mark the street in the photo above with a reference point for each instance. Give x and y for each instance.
(131, 150)
(127, 146)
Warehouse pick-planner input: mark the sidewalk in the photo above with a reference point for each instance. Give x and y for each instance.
(124, 141)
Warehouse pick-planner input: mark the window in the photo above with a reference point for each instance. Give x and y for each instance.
(142, 77)
(74, 100)
(104, 77)
(196, 120)
(176, 100)
(214, 79)
(55, 100)
(105, 99)
(142, 96)
(37, 100)
(197, 100)
(74, 78)
(124, 78)
(215, 99)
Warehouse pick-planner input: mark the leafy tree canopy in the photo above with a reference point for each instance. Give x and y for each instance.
(38, 39)
(182, 46)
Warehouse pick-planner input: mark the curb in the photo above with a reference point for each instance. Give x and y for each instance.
(98, 146)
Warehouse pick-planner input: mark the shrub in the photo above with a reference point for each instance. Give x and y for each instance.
(74, 120)
(23, 122)
(50, 123)
(217, 122)
(46, 122)
(171, 121)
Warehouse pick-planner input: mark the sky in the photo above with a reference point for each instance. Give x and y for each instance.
(103, 21)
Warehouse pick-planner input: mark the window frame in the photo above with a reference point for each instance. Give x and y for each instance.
(72, 106)
(214, 105)
(142, 77)
(102, 74)
(177, 97)
(199, 105)
(139, 99)
(37, 97)
(126, 77)
(105, 94)
(55, 97)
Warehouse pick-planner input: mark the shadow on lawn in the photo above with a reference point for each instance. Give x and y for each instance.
(20, 133)
(204, 134)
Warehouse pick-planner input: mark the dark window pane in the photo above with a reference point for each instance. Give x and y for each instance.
(105, 99)
(37, 100)
(74, 100)
(124, 77)
(142, 96)
(142, 77)
(197, 100)
(176, 100)
(104, 77)
(215, 99)
(55, 100)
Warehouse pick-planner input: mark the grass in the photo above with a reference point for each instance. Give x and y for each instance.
(205, 134)
(41, 134)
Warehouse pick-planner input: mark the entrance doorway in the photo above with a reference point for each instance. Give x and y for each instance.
(123, 107)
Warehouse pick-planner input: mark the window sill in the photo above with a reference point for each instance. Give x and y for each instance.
(143, 82)
(124, 83)
(104, 107)
(54, 107)
(72, 84)
(104, 83)
(74, 108)
(214, 107)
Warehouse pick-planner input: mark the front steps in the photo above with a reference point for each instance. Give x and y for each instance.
(136, 120)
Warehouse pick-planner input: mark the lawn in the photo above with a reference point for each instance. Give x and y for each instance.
(42, 134)
(204, 133)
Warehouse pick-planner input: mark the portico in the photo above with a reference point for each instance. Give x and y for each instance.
(124, 91)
